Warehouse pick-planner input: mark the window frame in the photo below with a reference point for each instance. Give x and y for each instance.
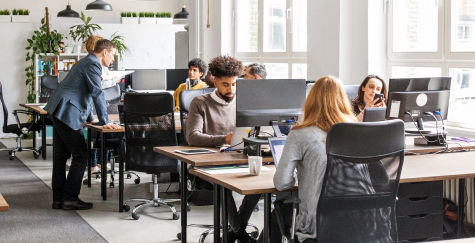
(288, 57)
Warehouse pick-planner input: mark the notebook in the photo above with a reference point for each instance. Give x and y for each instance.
(277, 146)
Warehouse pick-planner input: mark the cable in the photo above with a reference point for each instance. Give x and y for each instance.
(419, 130)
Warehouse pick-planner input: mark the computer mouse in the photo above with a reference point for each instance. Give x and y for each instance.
(224, 148)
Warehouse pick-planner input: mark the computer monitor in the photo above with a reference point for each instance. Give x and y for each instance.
(264, 102)
(418, 99)
(175, 77)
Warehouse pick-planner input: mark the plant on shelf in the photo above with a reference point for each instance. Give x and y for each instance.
(5, 16)
(134, 15)
(118, 41)
(5, 12)
(123, 14)
(79, 33)
(14, 12)
(142, 15)
(43, 41)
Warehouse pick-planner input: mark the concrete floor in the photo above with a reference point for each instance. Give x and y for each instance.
(154, 225)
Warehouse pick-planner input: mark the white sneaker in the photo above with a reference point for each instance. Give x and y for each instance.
(95, 169)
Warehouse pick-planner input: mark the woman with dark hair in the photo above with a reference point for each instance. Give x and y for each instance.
(367, 95)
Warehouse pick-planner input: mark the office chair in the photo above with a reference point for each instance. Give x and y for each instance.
(361, 182)
(48, 85)
(20, 129)
(186, 96)
(351, 91)
(149, 122)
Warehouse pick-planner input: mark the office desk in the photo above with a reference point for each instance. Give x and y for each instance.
(42, 113)
(416, 168)
(3, 204)
(199, 160)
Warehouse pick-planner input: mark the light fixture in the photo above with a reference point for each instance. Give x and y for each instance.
(99, 5)
(183, 14)
(68, 12)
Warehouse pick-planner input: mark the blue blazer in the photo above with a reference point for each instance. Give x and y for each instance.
(72, 100)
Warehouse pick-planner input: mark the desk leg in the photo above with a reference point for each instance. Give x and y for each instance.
(216, 202)
(121, 181)
(267, 207)
(35, 119)
(104, 168)
(184, 196)
(43, 136)
(461, 212)
(89, 157)
(224, 211)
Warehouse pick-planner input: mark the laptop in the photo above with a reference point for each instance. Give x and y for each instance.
(238, 134)
(276, 145)
(374, 114)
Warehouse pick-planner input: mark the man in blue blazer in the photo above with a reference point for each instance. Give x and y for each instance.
(70, 107)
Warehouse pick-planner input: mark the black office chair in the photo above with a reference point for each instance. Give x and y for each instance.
(149, 122)
(20, 129)
(186, 96)
(361, 182)
(48, 85)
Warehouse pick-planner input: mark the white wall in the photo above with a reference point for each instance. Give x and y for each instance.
(12, 45)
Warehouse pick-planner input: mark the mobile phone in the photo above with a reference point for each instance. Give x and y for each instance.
(379, 97)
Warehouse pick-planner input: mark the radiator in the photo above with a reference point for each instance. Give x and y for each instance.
(451, 191)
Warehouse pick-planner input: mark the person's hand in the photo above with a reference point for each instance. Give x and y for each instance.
(112, 126)
(371, 104)
(229, 136)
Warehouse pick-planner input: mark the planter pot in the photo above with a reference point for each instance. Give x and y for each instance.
(164, 21)
(68, 49)
(20, 18)
(5, 18)
(129, 20)
(147, 21)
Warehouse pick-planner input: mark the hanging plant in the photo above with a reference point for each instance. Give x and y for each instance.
(43, 41)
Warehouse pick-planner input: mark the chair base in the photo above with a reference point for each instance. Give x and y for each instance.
(19, 148)
(157, 202)
(210, 230)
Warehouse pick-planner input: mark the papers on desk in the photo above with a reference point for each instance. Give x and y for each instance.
(228, 169)
(38, 104)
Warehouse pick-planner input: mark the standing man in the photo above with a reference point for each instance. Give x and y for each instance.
(69, 108)
(196, 69)
(211, 121)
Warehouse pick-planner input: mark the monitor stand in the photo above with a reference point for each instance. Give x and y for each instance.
(429, 136)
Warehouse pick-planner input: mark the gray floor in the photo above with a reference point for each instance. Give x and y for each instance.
(156, 225)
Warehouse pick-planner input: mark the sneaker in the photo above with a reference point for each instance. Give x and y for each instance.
(95, 169)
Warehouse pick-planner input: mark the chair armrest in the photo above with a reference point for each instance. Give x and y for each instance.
(25, 112)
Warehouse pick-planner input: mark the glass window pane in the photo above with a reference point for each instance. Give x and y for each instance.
(299, 25)
(415, 25)
(415, 72)
(462, 95)
(463, 24)
(274, 26)
(277, 70)
(247, 26)
(299, 70)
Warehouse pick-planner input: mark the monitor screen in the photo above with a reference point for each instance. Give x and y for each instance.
(175, 77)
(260, 102)
(416, 96)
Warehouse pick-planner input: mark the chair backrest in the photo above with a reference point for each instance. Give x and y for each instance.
(112, 97)
(360, 186)
(186, 96)
(48, 85)
(5, 110)
(149, 122)
(351, 91)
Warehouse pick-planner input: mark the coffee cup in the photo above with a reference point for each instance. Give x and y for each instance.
(255, 164)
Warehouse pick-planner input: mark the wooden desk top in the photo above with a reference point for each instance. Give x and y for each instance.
(35, 108)
(454, 145)
(3, 204)
(225, 158)
(416, 168)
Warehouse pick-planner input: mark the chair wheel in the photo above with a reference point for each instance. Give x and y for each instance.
(135, 216)
(255, 234)
(36, 154)
(178, 236)
(137, 181)
(11, 157)
(84, 182)
(111, 185)
(126, 207)
(188, 209)
(129, 176)
(176, 216)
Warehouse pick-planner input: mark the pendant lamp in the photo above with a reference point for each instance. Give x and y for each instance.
(68, 12)
(183, 14)
(99, 5)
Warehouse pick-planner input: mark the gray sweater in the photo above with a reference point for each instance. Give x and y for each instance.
(304, 150)
(209, 121)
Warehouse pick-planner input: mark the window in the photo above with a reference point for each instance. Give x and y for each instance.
(274, 33)
(436, 38)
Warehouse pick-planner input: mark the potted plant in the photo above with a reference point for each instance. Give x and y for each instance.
(118, 41)
(147, 18)
(21, 15)
(164, 18)
(79, 33)
(129, 18)
(5, 16)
